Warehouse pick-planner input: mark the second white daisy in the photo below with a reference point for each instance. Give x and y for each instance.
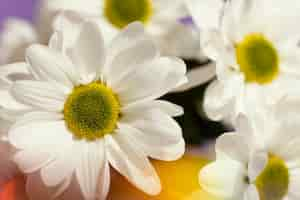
(258, 162)
(254, 44)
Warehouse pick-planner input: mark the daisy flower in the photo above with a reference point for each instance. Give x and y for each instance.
(96, 107)
(255, 163)
(255, 48)
(164, 21)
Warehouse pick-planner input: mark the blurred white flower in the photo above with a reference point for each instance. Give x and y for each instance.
(206, 14)
(164, 20)
(15, 37)
(255, 48)
(92, 108)
(256, 163)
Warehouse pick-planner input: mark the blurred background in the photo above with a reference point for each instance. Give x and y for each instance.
(19, 8)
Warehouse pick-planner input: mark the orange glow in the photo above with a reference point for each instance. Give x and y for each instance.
(14, 189)
(179, 181)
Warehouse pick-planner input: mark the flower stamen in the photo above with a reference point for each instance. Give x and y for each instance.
(273, 182)
(91, 111)
(120, 13)
(258, 59)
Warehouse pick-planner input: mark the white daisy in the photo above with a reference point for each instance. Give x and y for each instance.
(94, 108)
(256, 54)
(164, 21)
(256, 163)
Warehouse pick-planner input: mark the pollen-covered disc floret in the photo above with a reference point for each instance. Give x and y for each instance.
(258, 59)
(120, 13)
(273, 182)
(91, 111)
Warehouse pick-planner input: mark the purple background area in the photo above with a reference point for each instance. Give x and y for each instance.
(17, 8)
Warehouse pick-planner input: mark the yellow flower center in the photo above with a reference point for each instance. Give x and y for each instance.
(258, 59)
(273, 182)
(91, 111)
(120, 13)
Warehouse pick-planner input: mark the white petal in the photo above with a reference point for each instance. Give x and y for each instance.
(152, 80)
(178, 39)
(289, 56)
(16, 36)
(88, 52)
(8, 72)
(60, 168)
(251, 193)
(9, 103)
(257, 163)
(132, 163)
(212, 44)
(288, 148)
(213, 103)
(280, 26)
(126, 59)
(206, 13)
(126, 39)
(234, 146)
(90, 166)
(67, 27)
(237, 19)
(40, 131)
(31, 160)
(165, 106)
(247, 129)
(155, 125)
(49, 65)
(161, 6)
(219, 101)
(294, 183)
(244, 126)
(287, 111)
(281, 88)
(56, 42)
(155, 149)
(224, 178)
(104, 181)
(198, 76)
(284, 139)
(40, 95)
